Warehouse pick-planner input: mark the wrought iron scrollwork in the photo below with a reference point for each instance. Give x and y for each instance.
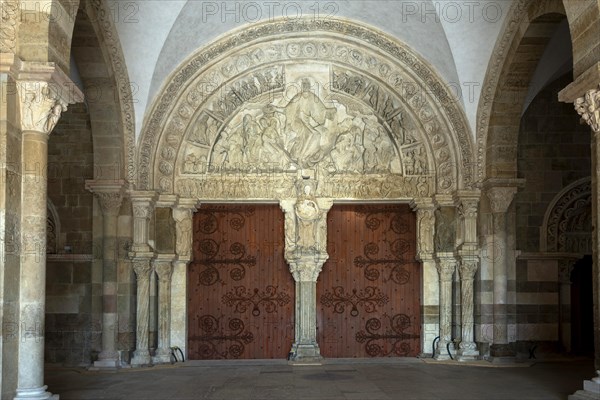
(215, 343)
(238, 260)
(370, 297)
(369, 262)
(241, 298)
(209, 223)
(394, 333)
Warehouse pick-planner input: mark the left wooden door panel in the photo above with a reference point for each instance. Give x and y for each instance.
(240, 290)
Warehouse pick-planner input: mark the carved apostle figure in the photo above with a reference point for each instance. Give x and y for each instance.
(307, 217)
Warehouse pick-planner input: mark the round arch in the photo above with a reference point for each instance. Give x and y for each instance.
(359, 80)
(527, 30)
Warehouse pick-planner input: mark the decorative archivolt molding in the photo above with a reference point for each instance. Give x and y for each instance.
(101, 18)
(503, 51)
(8, 28)
(211, 96)
(567, 224)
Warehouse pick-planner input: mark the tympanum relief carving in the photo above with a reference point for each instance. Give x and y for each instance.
(246, 65)
(284, 122)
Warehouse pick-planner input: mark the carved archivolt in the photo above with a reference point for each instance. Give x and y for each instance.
(245, 117)
(568, 222)
(520, 12)
(100, 18)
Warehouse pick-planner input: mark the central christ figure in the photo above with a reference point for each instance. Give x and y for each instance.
(305, 116)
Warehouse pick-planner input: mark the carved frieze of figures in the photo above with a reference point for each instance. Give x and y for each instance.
(281, 186)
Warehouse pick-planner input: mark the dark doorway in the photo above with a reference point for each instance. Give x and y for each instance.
(582, 308)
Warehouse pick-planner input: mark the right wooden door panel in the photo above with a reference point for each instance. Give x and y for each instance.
(368, 294)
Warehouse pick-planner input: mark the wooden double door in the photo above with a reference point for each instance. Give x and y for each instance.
(241, 293)
(368, 294)
(240, 290)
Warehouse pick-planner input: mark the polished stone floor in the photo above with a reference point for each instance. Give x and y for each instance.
(335, 379)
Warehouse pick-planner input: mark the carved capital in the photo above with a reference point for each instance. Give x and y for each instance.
(468, 267)
(44, 92)
(142, 268)
(588, 107)
(468, 208)
(306, 268)
(110, 202)
(164, 270)
(143, 210)
(109, 195)
(445, 265)
(565, 268)
(500, 198)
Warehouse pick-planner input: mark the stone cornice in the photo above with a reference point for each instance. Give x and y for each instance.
(584, 82)
(33, 71)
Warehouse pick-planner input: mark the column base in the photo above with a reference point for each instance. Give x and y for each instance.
(141, 358)
(106, 364)
(591, 390)
(35, 394)
(306, 354)
(502, 352)
(467, 355)
(162, 357)
(441, 352)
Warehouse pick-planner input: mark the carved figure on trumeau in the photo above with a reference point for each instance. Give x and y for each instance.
(308, 214)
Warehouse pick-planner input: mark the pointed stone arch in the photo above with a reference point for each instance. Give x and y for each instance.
(260, 67)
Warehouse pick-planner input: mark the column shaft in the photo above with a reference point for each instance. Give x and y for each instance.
(446, 264)
(164, 271)
(467, 269)
(109, 197)
(32, 297)
(500, 281)
(142, 271)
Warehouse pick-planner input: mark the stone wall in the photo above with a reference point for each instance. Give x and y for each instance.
(70, 334)
(553, 153)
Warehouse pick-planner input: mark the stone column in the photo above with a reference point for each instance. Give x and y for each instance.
(183, 215)
(141, 256)
(164, 270)
(110, 197)
(565, 267)
(142, 269)
(306, 252)
(467, 268)
(425, 209)
(467, 205)
(500, 200)
(446, 264)
(43, 94)
(588, 106)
